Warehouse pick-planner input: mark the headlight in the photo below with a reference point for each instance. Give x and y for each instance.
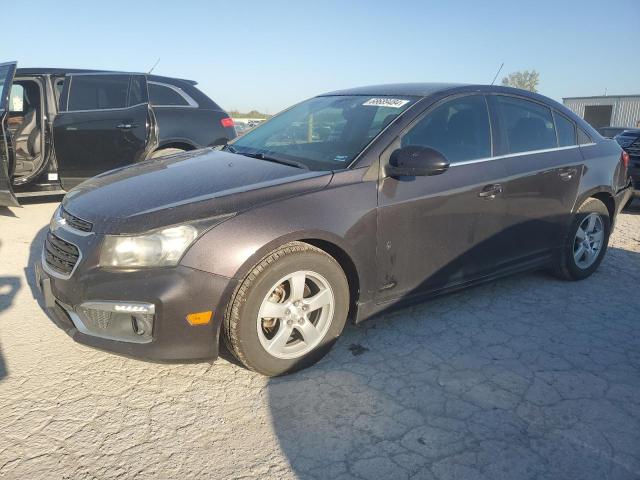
(158, 249)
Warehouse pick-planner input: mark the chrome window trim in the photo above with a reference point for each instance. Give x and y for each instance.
(192, 103)
(519, 154)
(101, 109)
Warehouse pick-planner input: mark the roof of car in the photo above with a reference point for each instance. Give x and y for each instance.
(401, 89)
(64, 71)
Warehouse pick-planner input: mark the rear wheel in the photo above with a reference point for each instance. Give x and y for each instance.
(586, 241)
(289, 310)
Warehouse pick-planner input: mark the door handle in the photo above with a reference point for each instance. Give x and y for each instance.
(126, 126)
(490, 191)
(567, 174)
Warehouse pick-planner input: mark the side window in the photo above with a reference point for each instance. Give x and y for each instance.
(137, 92)
(57, 88)
(566, 130)
(583, 138)
(16, 98)
(98, 92)
(163, 95)
(527, 125)
(459, 129)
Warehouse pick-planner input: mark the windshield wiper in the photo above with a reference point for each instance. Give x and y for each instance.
(262, 156)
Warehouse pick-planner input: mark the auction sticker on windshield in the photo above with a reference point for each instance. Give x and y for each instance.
(385, 102)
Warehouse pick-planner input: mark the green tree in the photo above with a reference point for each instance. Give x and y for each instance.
(526, 80)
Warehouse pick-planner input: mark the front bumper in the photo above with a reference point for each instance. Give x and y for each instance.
(174, 293)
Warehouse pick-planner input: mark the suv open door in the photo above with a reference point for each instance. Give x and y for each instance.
(7, 162)
(104, 122)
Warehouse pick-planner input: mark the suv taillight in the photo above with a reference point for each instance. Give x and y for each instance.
(227, 122)
(624, 156)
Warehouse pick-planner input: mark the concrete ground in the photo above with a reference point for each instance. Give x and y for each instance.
(527, 377)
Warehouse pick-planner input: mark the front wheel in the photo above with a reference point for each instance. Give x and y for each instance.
(288, 311)
(586, 241)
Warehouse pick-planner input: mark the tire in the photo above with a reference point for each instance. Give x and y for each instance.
(248, 332)
(163, 152)
(571, 264)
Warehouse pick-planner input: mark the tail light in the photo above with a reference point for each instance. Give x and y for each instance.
(227, 122)
(624, 156)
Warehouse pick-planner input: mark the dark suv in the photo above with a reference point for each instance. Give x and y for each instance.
(629, 140)
(61, 126)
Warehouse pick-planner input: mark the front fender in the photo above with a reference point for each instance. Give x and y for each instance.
(343, 214)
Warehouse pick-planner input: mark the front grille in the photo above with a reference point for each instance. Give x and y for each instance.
(61, 256)
(75, 222)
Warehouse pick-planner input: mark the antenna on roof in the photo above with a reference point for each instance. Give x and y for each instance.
(154, 66)
(497, 73)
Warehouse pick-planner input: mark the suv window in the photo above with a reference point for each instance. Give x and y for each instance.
(98, 92)
(527, 125)
(164, 95)
(137, 93)
(566, 130)
(16, 98)
(459, 129)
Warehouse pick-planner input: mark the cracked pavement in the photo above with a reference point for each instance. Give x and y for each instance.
(528, 377)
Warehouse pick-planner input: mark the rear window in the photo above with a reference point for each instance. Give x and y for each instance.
(528, 126)
(583, 138)
(98, 92)
(566, 130)
(160, 95)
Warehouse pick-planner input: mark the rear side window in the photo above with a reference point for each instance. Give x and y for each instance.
(526, 125)
(459, 129)
(583, 138)
(164, 95)
(566, 130)
(98, 92)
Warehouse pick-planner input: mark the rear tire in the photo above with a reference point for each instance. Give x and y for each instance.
(163, 152)
(306, 295)
(586, 242)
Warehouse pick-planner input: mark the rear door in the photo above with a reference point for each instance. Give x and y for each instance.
(7, 71)
(104, 122)
(544, 167)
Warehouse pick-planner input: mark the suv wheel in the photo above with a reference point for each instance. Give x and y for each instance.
(289, 311)
(586, 241)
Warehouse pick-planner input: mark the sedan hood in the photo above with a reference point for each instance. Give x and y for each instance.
(192, 186)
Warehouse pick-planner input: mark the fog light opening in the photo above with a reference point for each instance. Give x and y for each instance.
(137, 325)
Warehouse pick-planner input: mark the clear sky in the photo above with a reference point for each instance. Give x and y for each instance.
(266, 55)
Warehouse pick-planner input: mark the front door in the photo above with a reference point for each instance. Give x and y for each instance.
(104, 123)
(7, 71)
(442, 230)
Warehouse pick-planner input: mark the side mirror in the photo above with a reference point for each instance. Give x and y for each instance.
(415, 161)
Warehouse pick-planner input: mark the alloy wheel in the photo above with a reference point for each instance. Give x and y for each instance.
(295, 315)
(588, 241)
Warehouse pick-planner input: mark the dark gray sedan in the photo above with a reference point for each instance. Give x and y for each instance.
(341, 207)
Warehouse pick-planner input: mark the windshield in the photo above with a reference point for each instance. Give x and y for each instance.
(323, 133)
